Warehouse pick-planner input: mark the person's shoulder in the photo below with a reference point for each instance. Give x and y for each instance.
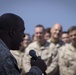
(67, 45)
(14, 52)
(31, 46)
(64, 50)
(35, 42)
(64, 47)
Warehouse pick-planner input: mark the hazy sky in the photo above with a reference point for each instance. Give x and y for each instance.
(45, 12)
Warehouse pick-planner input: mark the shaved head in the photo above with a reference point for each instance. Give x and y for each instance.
(57, 25)
(56, 31)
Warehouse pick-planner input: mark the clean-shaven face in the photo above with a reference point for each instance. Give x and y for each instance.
(72, 36)
(56, 31)
(26, 41)
(65, 38)
(39, 33)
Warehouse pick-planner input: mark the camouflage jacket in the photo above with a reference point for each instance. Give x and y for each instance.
(41, 51)
(67, 60)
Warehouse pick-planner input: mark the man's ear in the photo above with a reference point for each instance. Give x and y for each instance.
(11, 33)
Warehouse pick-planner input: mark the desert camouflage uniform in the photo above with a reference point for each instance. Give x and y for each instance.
(48, 53)
(53, 68)
(40, 51)
(67, 60)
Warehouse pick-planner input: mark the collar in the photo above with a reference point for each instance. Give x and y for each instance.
(3, 44)
(54, 41)
(72, 47)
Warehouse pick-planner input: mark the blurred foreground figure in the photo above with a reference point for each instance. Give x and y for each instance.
(19, 54)
(11, 34)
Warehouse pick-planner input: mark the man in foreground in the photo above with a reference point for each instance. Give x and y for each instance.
(11, 34)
